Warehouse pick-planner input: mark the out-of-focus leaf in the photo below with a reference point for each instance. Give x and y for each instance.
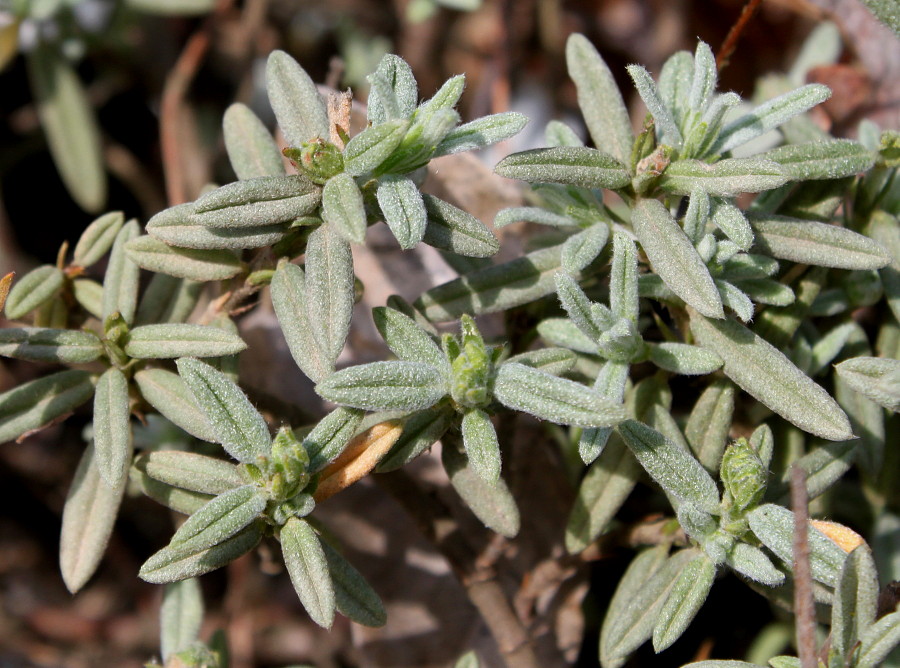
(172, 7)
(97, 238)
(39, 402)
(876, 378)
(180, 616)
(50, 345)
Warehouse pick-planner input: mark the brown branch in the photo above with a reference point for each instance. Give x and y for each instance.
(731, 39)
(804, 606)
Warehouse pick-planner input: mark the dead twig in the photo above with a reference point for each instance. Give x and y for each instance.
(731, 39)
(804, 606)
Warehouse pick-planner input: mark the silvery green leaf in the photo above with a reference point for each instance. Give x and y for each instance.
(555, 399)
(420, 431)
(481, 444)
(705, 77)
(582, 248)
(763, 442)
(97, 239)
(879, 640)
(38, 402)
(385, 386)
(823, 46)
(830, 345)
(563, 332)
(295, 100)
(753, 563)
(550, 360)
(884, 229)
(765, 291)
(407, 340)
(684, 601)
(866, 420)
(735, 299)
(611, 382)
(174, 227)
(180, 500)
(578, 308)
(251, 149)
(169, 394)
(260, 202)
(558, 133)
(490, 501)
(32, 290)
(607, 484)
(89, 294)
(574, 165)
(481, 132)
(342, 207)
(599, 98)
(180, 616)
(725, 178)
(372, 146)
(694, 222)
(329, 290)
(172, 7)
(531, 214)
(403, 209)
(833, 159)
(169, 341)
(353, 596)
(725, 664)
(306, 564)
(87, 522)
(636, 605)
(748, 266)
(623, 279)
(446, 97)
(198, 265)
(709, 423)
(876, 378)
(167, 300)
(764, 372)
(172, 564)
(855, 600)
(190, 471)
(397, 75)
(675, 83)
(112, 427)
(495, 288)
(770, 115)
(674, 257)
(667, 129)
(822, 466)
(731, 220)
(294, 317)
(774, 526)
(50, 345)
(684, 359)
(778, 325)
(469, 659)
(120, 285)
(809, 242)
(69, 122)
(419, 143)
(452, 229)
(330, 436)
(238, 426)
(677, 472)
(397, 303)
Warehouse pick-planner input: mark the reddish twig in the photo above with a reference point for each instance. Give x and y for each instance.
(804, 607)
(731, 39)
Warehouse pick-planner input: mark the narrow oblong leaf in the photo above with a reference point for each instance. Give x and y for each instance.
(238, 426)
(68, 119)
(481, 132)
(97, 239)
(623, 280)
(809, 242)
(342, 207)
(330, 436)
(174, 226)
(599, 98)
(190, 471)
(306, 564)
(120, 285)
(385, 386)
(295, 100)
(180, 616)
(180, 500)
(169, 341)
(32, 290)
(564, 333)
(684, 601)
(550, 360)
(87, 522)
(611, 382)
(832, 159)
(876, 378)
(38, 344)
(855, 600)
(709, 423)
(582, 248)
(878, 641)
(725, 178)
(774, 526)
(684, 359)
(38, 402)
(677, 472)
(112, 428)
(555, 399)
(197, 265)
(406, 339)
(573, 165)
(167, 300)
(371, 147)
(768, 375)
(260, 202)
(481, 444)
(674, 257)
(452, 229)
(578, 308)
(401, 87)
(665, 124)
(171, 396)
(403, 209)
(291, 308)
(329, 290)
(223, 517)
(731, 220)
(353, 596)
(251, 149)
(753, 563)
(421, 430)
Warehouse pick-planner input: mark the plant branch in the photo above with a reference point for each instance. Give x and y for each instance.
(804, 606)
(731, 39)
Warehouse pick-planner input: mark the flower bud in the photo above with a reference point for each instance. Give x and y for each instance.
(319, 160)
(743, 475)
